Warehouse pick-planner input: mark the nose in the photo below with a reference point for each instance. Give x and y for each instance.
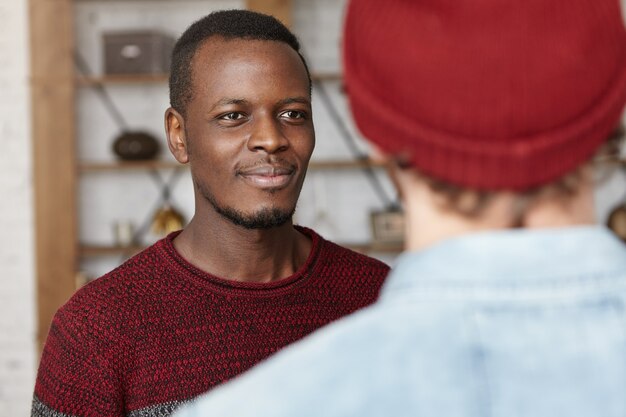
(267, 136)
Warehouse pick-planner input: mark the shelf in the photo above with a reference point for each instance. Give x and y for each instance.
(375, 247)
(129, 166)
(90, 251)
(611, 160)
(344, 164)
(122, 79)
(91, 81)
(93, 167)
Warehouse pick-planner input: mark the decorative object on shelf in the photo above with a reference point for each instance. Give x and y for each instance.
(617, 217)
(617, 221)
(137, 52)
(166, 220)
(81, 278)
(387, 225)
(322, 220)
(124, 233)
(136, 146)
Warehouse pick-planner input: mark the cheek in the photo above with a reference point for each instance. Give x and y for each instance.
(210, 168)
(305, 145)
(215, 154)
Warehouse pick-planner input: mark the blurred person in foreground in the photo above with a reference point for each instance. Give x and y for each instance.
(240, 281)
(509, 301)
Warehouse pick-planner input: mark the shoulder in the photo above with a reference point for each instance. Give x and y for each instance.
(119, 292)
(340, 257)
(147, 264)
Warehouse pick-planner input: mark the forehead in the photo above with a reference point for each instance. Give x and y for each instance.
(233, 67)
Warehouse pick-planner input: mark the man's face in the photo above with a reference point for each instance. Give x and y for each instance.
(249, 130)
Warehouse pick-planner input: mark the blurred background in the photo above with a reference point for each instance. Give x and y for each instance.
(86, 178)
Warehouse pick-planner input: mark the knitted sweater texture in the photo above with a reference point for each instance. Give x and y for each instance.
(156, 331)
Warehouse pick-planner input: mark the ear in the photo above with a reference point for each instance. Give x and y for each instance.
(175, 132)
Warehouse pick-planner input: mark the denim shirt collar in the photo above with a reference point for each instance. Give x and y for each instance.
(515, 257)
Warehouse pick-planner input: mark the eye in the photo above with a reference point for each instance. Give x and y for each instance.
(293, 114)
(232, 116)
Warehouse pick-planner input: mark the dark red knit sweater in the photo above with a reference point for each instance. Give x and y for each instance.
(156, 331)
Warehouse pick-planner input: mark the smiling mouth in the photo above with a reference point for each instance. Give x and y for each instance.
(268, 176)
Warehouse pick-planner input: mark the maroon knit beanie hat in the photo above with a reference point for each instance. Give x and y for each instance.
(487, 94)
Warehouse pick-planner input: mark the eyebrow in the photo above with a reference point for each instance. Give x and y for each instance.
(239, 101)
(301, 100)
(227, 101)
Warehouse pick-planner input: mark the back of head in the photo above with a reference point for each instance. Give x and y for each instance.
(487, 95)
(226, 24)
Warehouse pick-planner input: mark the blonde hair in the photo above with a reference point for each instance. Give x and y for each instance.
(471, 203)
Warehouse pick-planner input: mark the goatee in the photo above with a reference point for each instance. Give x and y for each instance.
(265, 218)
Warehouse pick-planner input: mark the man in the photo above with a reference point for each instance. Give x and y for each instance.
(511, 302)
(239, 282)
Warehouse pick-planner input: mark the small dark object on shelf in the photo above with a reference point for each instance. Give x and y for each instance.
(617, 221)
(137, 52)
(136, 146)
(387, 226)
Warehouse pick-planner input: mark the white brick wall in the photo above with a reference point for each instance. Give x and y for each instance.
(17, 310)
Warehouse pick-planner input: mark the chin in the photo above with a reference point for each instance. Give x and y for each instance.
(265, 218)
(261, 216)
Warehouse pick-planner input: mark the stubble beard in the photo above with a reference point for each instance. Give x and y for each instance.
(265, 218)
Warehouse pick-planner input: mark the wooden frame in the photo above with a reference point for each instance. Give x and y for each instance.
(52, 95)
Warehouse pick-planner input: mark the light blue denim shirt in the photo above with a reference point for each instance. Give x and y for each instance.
(511, 323)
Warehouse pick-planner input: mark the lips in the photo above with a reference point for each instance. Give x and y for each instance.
(268, 176)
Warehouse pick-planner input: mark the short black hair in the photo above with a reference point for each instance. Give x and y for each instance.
(228, 24)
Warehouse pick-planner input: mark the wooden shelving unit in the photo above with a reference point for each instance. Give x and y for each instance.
(84, 81)
(338, 164)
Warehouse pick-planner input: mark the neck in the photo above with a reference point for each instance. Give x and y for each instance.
(427, 222)
(217, 246)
